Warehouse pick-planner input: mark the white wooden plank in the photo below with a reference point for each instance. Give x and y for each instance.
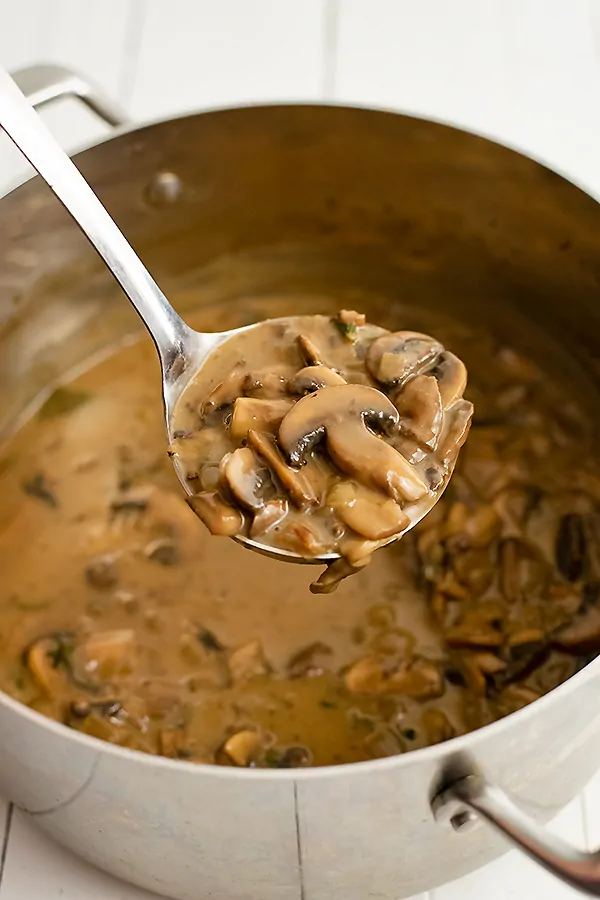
(514, 876)
(525, 71)
(89, 38)
(22, 36)
(198, 53)
(591, 807)
(92, 39)
(38, 869)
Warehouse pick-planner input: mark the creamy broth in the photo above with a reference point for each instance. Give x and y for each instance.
(121, 617)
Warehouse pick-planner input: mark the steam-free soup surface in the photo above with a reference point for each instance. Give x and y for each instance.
(123, 618)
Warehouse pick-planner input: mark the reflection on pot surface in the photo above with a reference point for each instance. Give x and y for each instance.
(121, 617)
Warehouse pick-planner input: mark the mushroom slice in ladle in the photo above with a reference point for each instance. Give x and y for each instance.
(420, 406)
(341, 415)
(367, 512)
(451, 375)
(313, 378)
(247, 478)
(395, 357)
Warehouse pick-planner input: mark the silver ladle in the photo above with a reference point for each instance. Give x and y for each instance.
(181, 350)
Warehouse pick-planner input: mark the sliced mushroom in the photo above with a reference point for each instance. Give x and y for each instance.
(451, 374)
(224, 394)
(340, 415)
(248, 661)
(366, 511)
(457, 431)
(46, 660)
(268, 516)
(218, 516)
(259, 415)
(336, 572)
(393, 358)
(312, 378)
(582, 635)
(310, 353)
(422, 681)
(110, 653)
(247, 478)
(365, 676)
(243, 747)
(296, 483)
(420, 406)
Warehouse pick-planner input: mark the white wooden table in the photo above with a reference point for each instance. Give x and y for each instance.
(524, 71)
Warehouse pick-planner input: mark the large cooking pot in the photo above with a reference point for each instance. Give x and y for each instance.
(313, 202)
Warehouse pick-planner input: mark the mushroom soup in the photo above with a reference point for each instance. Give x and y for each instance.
(121, 617)
(321, 435)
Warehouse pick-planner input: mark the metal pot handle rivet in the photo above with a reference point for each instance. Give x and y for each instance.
(471, 798)
(44, 84)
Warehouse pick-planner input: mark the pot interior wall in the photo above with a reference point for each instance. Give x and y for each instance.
(305, 209)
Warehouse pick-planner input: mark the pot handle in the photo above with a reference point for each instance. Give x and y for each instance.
(46, 83)
(462, 801)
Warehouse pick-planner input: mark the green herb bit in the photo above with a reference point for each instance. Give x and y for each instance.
(347, 330)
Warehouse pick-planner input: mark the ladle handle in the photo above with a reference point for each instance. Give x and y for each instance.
(22, 124)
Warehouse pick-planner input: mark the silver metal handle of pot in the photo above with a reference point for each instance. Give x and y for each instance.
(45, 83)
(469, 797)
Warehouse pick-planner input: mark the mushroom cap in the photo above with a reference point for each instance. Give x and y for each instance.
(312, 378)
(308, 420)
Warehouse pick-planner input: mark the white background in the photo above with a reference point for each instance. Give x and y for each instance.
(524, 71)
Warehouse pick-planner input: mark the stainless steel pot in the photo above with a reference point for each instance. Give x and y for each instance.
(314, 202)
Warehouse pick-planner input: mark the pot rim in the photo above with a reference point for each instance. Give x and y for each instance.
(218, 110)
(432, 754)
(461, 744)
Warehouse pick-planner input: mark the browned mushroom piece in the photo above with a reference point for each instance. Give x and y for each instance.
(393, 358)
(341, 416)
(110, 653)
(420, 406)
(247, 478)
(248, 661)
(339, 569)
(456, 434)
(421, 681)
(310, 353)
(46, 659)
(582, 635)
(451, 375)
(296, 483)
(366, 511)
(219, 517)
(225, 393)
(312, 378)
(243, 747)
(262, 415)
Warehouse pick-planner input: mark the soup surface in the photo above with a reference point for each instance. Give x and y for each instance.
(123, 618)
(320, 435)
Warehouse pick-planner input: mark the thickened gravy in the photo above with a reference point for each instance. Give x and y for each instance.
(121, 617)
